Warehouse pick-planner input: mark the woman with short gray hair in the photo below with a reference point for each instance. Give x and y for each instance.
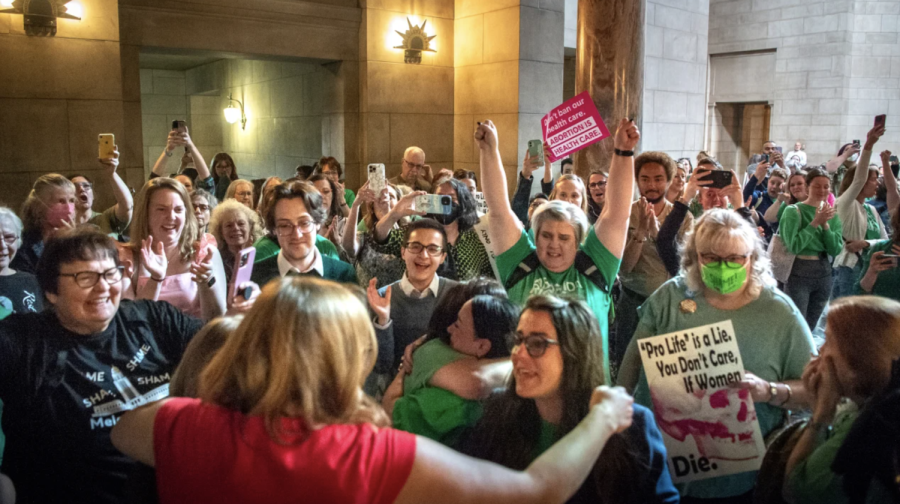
(726, 275)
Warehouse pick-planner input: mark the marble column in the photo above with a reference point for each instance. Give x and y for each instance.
(609, 65)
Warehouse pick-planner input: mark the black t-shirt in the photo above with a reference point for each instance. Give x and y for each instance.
(20, 293)
(63, 392)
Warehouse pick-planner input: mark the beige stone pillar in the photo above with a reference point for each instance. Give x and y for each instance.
(609, 64)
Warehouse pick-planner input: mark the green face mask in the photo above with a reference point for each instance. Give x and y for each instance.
(724, 277)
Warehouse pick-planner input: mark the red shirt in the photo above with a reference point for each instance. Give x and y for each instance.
(206, 453)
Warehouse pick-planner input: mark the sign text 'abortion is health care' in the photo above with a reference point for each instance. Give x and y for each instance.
(573, 126)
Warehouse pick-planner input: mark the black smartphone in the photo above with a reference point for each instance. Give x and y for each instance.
(880, 120)
(767, 159)
(720, 178)
(179, 125)
(856, 143)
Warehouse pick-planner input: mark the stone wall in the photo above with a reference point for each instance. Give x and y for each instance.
(57, 94)
(405, 104)
(675, 75)
(837, 65)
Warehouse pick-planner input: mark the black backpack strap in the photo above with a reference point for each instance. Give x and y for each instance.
(585, 265)
(529, 264)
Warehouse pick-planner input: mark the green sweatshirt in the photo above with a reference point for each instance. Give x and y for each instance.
(802, 239)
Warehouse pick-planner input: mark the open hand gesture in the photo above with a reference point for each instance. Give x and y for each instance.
(153, 258)
(823, 214)
(380, 305)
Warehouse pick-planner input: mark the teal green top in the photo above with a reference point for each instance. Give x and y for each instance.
(812, 480)
(546, 438)
(566, 283)
(802, 239)
(267, 247)
(349, 197)
(873, 226)
(888, 282)
(776, 349)
(429, 411)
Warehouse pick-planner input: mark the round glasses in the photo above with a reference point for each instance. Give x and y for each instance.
(287, 228)
(534, 345)
(88, 279)
(10, 239)
(416, 248)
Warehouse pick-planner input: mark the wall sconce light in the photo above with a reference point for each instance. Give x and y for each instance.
(415, 40)
(40, 15)
(233, 114)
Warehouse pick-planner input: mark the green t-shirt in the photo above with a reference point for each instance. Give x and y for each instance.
(109, 224)
(349, 196)
(812, 480)
(545, 440)
(802, 239)
(888, 282)
(873, 228)
(429, 411)
(567, 283)
(774, 341)
(267, 247)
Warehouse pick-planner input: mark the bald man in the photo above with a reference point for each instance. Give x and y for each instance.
(415, 173)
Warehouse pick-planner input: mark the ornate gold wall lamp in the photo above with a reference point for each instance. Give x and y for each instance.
(41, 15)
(415, 40)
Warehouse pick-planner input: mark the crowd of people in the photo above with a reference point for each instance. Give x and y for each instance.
(219, 339)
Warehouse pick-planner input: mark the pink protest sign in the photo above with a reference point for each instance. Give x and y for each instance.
(573, 126)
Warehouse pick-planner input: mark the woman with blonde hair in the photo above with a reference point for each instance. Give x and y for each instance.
(570, 188)
(358, 239)
(166, 259)
(283, 399)
(848, 451)
(235, 227)
(50, 206)
(726, 275)
(241, 190)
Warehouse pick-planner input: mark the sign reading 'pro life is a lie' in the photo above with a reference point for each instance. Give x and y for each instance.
(709, 427)
(573, 126)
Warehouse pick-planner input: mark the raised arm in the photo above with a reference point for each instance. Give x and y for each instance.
(440, 475)
(472, 378)
(612, 226)
(350, 240)
(199, 162)
(523, 188)
(504, 227)
(836, 162)
(771, 215)
(174, 140)
(124, 202)
(844, 202)
(404, 208)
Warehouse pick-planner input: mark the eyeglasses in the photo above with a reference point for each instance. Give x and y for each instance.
(413, 165)
(84, 185)
(733, 261)
(10, 239)
(201, 208)
(593, 185)
(535, 345)
(417, 248)
(287, 228)
(88, 279)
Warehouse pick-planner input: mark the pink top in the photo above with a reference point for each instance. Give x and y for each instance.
(207, 453)
(178, 290)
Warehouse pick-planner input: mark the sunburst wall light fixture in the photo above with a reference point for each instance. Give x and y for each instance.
(41, 15)
(415, 40)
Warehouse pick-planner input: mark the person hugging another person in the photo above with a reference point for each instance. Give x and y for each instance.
(557, 359)
(440, 397)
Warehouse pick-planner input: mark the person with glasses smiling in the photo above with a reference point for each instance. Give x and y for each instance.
(414, 172)
(69, 373)
(402, 309)
(726, 275)
(295, 212)
(557, 359)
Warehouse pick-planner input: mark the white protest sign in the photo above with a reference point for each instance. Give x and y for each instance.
(710, 428)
